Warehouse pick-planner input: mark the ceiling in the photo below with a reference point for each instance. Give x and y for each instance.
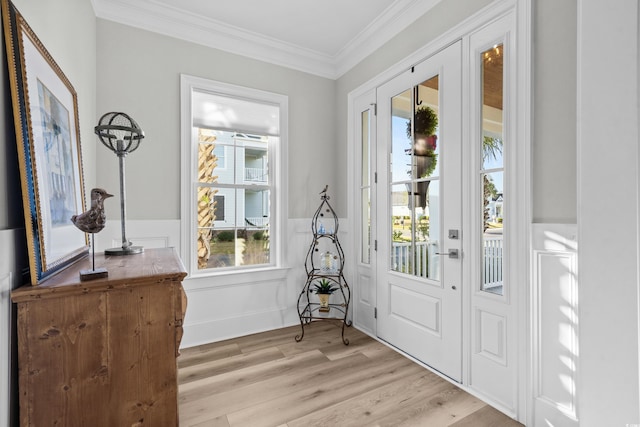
(325, 38)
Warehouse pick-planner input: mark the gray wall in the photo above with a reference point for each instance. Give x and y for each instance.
(554, 112)
(139, 74)
(67, 30)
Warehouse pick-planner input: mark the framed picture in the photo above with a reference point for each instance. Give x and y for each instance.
(45, 112)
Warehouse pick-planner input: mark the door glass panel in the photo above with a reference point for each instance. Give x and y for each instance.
(365, 189)
(400, 142)
(415, 183)
(492, 247)
(492, 170)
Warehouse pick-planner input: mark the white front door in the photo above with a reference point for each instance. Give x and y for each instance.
(419, 259)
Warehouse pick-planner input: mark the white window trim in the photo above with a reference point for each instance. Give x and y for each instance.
(277, 155)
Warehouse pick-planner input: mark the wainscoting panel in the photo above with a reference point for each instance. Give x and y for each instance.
(555, 324)
(145, 233)
(13, 266)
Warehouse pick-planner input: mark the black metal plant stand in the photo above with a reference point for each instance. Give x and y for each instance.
(325, 260)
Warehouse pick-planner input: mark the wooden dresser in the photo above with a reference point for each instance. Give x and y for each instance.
(103, 352)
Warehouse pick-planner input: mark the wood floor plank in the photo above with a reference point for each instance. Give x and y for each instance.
(218, 366)
(320, 392)
(272, 370)
(216, 422)
(237, 399)
(439, 410)
(268, 379)
(487, 416)
(377, 403)
(206, 353)
(317, 335)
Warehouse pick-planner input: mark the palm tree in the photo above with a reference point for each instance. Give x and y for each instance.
(491, 148)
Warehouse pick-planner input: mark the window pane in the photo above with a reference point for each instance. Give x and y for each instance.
(366, 157)
(492, 171)
(206, 156)
(492, 116)
(206, 209)
(426, 129)
(225, 175)
(365, 199)
(492, 237)
(415, 190)
(223, 242)
(233, 220)
(401, 248)
(365, 220)
(400, 138)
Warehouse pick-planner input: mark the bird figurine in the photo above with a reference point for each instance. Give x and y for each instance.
(326, 187)
(93, 220)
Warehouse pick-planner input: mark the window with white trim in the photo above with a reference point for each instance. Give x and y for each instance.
(232, 152)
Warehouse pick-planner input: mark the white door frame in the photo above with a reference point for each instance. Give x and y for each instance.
(521, 191)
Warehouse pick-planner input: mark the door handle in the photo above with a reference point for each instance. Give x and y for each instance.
(452, 253)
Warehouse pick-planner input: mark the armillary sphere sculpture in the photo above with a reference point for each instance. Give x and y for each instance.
(122, 135)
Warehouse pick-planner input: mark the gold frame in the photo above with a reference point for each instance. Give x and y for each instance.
(45, 112)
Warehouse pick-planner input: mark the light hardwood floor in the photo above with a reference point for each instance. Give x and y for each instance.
(268, 379)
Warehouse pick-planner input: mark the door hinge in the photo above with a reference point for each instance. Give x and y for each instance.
(375, 108)
(375, 245)
(375, 312)
(375, 177)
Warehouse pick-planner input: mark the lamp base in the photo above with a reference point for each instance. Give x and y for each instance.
(98, 273)
(131, 250)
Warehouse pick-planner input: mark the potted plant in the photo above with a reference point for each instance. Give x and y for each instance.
(323, 288)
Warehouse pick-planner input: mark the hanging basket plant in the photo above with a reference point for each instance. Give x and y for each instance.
(425, 123)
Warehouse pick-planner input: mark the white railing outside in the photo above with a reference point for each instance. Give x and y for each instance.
(255, 174)
(403, 261)
(492, 262)
(259, 221)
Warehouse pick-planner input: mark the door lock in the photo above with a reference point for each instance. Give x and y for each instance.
(452, 253)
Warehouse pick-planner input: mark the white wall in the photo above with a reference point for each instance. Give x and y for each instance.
(607, 126)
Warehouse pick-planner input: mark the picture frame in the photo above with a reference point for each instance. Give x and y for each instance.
(45, 112)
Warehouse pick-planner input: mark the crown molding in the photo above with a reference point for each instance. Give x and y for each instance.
(173, 22)
(387, 25)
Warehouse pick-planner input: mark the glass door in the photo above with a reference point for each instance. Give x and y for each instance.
(419, 264)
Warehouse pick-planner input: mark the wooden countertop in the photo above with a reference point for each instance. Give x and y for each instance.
(124, 271)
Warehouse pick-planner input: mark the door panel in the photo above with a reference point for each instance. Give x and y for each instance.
(365, 135)
(419, 198)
